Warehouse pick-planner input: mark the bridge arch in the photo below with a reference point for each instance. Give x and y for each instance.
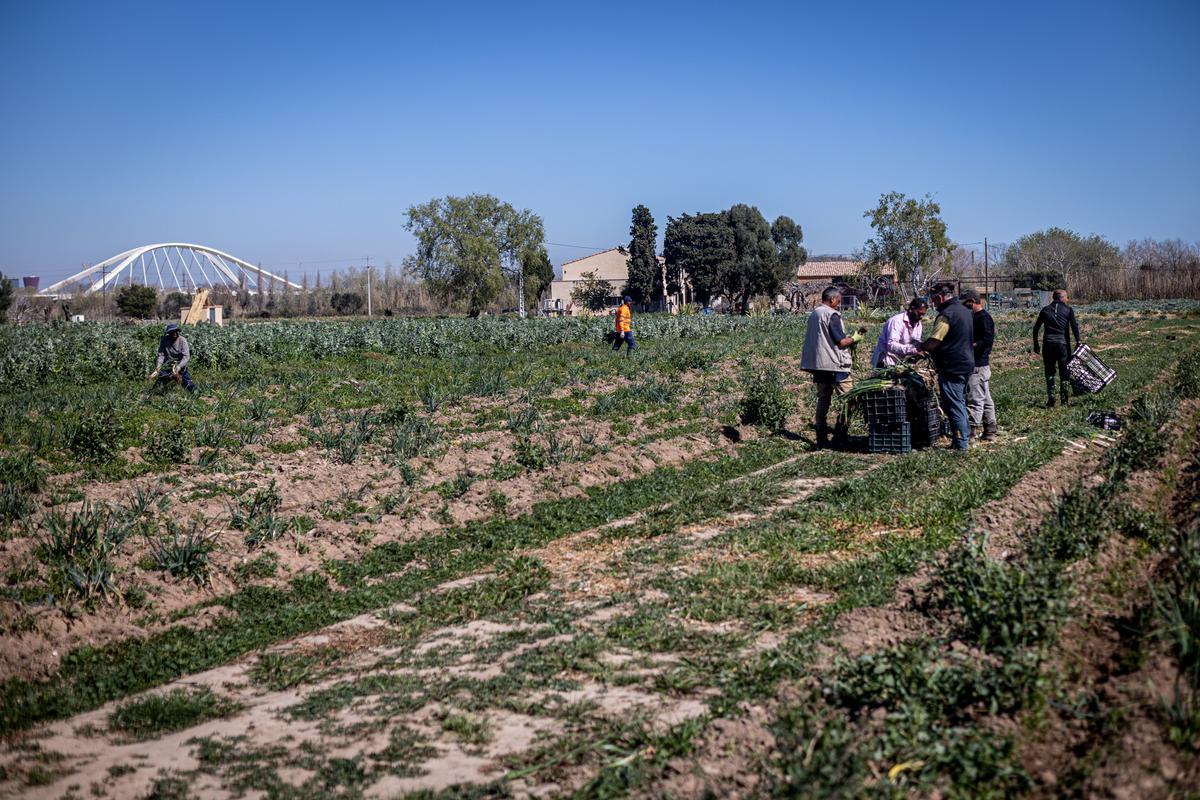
(177, 266)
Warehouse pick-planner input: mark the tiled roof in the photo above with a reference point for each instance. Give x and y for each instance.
(835, 269)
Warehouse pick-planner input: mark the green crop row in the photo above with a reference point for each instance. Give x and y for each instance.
(32, 355)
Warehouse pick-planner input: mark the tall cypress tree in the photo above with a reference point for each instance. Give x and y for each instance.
(644, 272)
(6, 297)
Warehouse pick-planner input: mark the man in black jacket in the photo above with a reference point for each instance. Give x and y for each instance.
(980, 407)
(1058, 320)
(949, 344)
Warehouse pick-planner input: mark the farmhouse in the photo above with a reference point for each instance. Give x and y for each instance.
(814, 276)
(610, 265)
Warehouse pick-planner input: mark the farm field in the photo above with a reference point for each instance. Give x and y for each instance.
(449, 558)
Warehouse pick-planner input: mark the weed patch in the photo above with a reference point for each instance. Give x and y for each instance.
(176, 710)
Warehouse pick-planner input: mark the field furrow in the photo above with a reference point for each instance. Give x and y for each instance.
(663, 614)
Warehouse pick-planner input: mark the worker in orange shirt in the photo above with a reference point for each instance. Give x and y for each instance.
(625, 327)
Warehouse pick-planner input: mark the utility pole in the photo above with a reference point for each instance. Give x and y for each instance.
(368, 286)
(521, 290)
(664, 286)
(986, 290)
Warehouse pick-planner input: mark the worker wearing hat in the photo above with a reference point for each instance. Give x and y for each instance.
(624, 329)
(173, 348)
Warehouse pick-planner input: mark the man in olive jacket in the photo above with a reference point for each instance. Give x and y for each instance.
(951, 345)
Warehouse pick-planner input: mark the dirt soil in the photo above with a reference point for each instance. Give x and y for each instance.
(386, 706)
(34, 637)
(1114, 747)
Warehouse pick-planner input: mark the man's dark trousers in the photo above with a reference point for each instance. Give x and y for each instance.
(626, 339)
(165, 376)
(1055, 355)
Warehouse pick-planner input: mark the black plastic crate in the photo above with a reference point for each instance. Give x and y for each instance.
(888, 405)
(895, 437)
(1105, 420)
(926, 422)
(1087, 372)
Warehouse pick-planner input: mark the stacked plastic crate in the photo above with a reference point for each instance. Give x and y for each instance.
(1088, 373)
(888, 428)
(925, 418)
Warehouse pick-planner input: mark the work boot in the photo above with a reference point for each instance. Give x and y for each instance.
(1065, 397)
(974, 431)
(989, 431)
(841, 436)
(822, 437)
(1050, 392)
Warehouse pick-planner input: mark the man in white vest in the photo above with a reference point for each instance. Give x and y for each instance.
(827, 357)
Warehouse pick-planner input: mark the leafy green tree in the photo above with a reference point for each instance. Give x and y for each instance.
(466, 246)
(788, 239)
(172, 303)
(734, 254)
(137, 301)
(910, 235)
(346, 303)
(592, 292)
(645, 282)
(6, 297)
(758, 268)
(539, 273)
(700, 246)
(1056, 255)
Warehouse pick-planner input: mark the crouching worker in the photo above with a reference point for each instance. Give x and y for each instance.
(827, 358)
(173, 357)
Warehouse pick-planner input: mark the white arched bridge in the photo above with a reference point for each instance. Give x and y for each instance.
(173, 265)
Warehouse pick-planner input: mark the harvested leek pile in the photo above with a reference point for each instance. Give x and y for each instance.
(905, 375)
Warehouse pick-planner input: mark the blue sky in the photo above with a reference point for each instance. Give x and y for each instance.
(290, 133)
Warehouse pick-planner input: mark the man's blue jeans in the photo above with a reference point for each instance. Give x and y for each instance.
(953, 391)
(165, 378)
(626, 339)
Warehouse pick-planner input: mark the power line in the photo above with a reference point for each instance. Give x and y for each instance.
(577, 246)
(326, 261)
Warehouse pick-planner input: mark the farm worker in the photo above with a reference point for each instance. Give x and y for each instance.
(1058, 320)
(980, 408)
(827, 358)
(900, 335)
(172, 346)
(624, 328)
(950, 343)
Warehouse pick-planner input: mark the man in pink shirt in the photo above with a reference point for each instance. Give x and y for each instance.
(900, 336)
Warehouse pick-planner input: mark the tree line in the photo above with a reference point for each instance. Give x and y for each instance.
(477, 254)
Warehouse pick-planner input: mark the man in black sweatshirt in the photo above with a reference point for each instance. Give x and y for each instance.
(1058, 319)
(980, 407)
